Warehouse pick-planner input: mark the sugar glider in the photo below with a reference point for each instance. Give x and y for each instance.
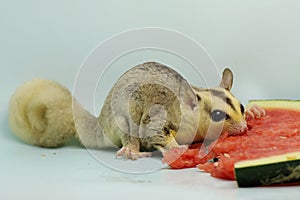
(151, 106)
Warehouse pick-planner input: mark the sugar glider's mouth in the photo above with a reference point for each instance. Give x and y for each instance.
(239, 128)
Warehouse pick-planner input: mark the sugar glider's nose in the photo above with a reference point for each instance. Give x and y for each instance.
(244, 127)
(240, 129)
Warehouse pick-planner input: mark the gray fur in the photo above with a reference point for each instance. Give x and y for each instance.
(149, 102)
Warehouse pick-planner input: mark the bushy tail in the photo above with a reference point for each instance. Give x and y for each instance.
(40, 113)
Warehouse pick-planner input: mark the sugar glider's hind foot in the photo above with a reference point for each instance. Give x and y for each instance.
(40, 113)
(132, 154)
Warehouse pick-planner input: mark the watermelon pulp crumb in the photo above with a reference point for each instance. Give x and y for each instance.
(276, 133)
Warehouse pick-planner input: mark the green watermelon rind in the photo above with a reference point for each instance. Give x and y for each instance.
(276, 103)
(273, 170)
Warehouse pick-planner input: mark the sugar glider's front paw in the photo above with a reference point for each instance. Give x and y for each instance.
(255, 112)
(181, 147)
(132, 154)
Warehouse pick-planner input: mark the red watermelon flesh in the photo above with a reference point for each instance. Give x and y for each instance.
(276, 133)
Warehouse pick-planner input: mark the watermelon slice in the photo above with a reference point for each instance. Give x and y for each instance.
(275, 134)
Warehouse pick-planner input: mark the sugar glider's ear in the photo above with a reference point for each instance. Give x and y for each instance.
(227, 79)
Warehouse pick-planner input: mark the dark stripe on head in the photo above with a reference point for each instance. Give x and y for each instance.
(242, 109)
(222, 96)
(207, 108)
(229, 102)
(228, 117)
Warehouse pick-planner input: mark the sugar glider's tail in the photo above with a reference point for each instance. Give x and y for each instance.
(44, 113)
(40, 113)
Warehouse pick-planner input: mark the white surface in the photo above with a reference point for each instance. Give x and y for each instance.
(71, 173)
(259, 40)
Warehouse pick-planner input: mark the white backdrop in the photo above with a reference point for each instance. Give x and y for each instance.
(259, 40)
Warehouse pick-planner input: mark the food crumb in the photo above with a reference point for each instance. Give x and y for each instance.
(226, 155)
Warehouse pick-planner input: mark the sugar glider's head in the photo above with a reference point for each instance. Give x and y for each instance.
(220, 111)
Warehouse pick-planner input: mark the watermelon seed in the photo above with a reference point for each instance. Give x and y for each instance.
(213, 160)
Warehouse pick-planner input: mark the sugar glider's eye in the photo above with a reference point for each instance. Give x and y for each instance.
(218, 115)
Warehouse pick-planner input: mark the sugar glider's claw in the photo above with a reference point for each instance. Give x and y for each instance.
(127, 152)
(255, 112)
